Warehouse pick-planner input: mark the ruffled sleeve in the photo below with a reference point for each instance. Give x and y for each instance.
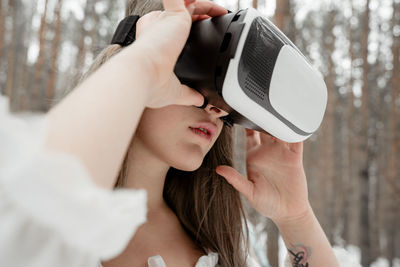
(211, 259)
(51, 212)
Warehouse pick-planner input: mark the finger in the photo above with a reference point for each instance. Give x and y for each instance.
(267, 139)
(253, 133)
(189, 97)
(238, 181)
(249, 131)
(174, 5)
(176, 94)
(199, 17)
(208, 8)
(252, 139)
(188, 2)
(296, 147)
(145, 21)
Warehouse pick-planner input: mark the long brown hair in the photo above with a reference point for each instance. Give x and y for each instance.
(209, 208)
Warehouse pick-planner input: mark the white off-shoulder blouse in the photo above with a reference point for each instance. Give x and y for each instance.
(209, 260)
(52, 213)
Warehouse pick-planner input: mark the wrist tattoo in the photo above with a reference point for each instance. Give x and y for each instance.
(300, 255)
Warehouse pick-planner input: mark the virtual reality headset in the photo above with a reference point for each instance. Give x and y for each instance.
(243, 64)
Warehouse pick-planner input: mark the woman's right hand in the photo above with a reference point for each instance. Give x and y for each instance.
(162, 36)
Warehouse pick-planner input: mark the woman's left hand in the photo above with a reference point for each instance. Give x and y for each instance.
(276, 186)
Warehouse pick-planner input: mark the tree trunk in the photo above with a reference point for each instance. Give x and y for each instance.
(376, 170)
(94, 31)
(38, 76)
(255, 4)
(51, 83)
(393, 176)
(328, 132)
(2, 32)
(11, 59)
(364, 174)
(272, 244)
(348, 202)
(82, 46)
(281, 14)
(25, 101)
(284, 18)
(394, 112)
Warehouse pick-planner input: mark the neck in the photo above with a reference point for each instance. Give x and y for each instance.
(146, 171)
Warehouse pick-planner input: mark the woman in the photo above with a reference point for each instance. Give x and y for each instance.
(188, 204)
(134, 110)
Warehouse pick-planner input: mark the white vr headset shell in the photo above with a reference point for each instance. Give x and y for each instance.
(242, 63)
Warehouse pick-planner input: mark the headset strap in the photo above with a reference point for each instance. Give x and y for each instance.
(126, 31)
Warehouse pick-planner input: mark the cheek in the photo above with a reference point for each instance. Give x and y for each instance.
(158, 120)
(157, 131)
(160, 128)
(173, 146)
(165, 132)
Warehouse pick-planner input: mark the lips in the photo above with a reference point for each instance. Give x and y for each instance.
(207, 129)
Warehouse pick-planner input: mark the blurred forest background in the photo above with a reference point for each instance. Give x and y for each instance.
(352, 162)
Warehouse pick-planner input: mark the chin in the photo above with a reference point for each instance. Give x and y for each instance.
(188, 164)
(187, 167)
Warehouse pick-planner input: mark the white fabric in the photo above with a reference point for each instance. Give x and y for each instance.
(46, 198)
(209, 260)
(156, 261)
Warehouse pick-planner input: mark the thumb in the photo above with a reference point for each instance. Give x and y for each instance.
(296, 147)
(238, 181)
(176, 5)
(175, 93)
(189, 97)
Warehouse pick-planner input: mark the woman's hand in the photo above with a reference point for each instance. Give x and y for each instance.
(276, 185)
(162, 35)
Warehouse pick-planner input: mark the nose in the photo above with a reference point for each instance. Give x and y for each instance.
(215, 112)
